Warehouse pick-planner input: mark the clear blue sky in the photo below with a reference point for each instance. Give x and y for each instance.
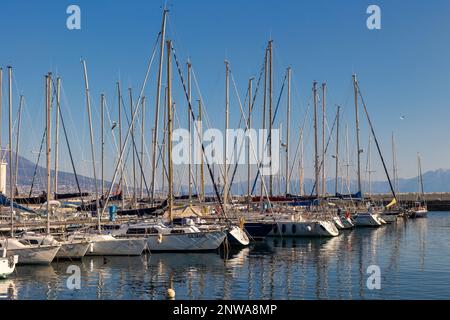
(403, 69)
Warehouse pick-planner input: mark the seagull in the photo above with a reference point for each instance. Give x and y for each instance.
(402, 117)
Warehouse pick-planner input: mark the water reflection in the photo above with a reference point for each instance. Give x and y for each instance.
(409, 254)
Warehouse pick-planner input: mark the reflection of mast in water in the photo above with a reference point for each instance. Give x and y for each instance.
(422, 225)
(8, 290)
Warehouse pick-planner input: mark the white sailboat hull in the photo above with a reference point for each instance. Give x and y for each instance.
(304, 229)
(34, 254)
(7, 266)
(73, 250)
(117, 247)
(389, 218)
(367, 220)
(237, 236)
(198, 241)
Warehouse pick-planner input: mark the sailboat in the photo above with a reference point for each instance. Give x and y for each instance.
(27, 253)
(420, 209)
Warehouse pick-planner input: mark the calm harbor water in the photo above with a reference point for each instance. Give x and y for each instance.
(413, 256)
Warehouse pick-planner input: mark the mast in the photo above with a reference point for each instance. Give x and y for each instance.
(11, 195)
(394, 164)
(1, 111)
(337, 151)
(264, 112)
(190, 134)
(249, 125)
(358, 149)
(270, 115)
(133, 200)
(347, 152)
(142, 145)
(369, 164)
(169, 129)
(316, 156)
(301, 173)
(102, 114)
(163, 153)
(91, 134)
(158, 94)
(227, 110)
(420, 177)
(49, 141)
(200, 129)
(119, 95)
(58, 105)
(324, 187)
(288, 121)
(19, 120)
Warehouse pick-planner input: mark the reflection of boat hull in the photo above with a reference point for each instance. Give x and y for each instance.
(196, 241)
(367, 220)
(35, 254)
(304, 229)
(73, 250)
(258, 230)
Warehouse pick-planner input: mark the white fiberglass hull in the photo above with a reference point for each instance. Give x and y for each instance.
(367, 220)
(110, 246)
(7, 266)
(73, 250)
(389, 218)
(338, 223)
(237, 236)
(196, 241)
(304, 229)
(43, 254)
(420, 213)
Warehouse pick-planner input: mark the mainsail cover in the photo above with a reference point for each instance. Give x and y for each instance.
(5, 201)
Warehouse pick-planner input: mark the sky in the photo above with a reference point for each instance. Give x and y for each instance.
(402, 69)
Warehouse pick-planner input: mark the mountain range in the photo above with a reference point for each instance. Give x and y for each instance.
(434, 181)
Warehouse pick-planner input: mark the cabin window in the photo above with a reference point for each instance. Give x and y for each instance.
(153, 231)
(136, 231)
(177, 231)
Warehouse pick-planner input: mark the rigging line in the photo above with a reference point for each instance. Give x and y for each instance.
(216, 190)
(269, 135)
(256, 157)
(136, 109)
(376, 141)
(37, 162)
(39, 155)
(326, 149)
(235, 140)
(302, 130)
(136, 151)
(68, 145)
(70, 154)
(250, 114)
